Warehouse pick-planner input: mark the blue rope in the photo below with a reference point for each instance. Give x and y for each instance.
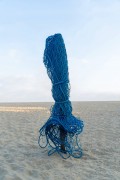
(61, 82)
(61, 130)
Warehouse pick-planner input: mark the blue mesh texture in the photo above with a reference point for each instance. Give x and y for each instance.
(60, 132)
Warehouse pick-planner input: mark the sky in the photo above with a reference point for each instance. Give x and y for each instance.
(91, 32)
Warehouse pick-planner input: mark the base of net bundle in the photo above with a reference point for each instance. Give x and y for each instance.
(66, 154)
(77, 153)
(66, 146)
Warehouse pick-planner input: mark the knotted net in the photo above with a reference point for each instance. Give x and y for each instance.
(61, 130)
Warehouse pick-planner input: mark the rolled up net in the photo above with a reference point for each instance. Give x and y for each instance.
(61, 130)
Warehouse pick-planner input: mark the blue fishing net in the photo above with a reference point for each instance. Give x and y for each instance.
(61, 130)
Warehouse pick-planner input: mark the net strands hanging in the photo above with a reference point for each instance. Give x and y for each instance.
(61, 130)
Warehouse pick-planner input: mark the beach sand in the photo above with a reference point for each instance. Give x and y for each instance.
(21, 158)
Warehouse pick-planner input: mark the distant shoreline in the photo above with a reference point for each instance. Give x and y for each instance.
(53, 102)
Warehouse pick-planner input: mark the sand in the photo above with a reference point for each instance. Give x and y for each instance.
(21, 158)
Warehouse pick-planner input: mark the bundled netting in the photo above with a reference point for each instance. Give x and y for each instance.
(61, 130)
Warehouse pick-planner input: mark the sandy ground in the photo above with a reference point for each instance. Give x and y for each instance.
(21, 158)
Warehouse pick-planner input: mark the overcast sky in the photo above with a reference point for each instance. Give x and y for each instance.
(91, 31)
